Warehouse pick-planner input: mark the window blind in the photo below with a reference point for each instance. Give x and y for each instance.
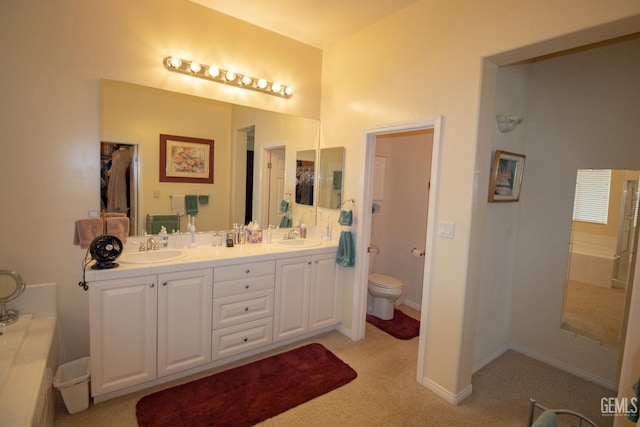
(591, 202)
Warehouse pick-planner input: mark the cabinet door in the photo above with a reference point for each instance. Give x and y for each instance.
(323, 299)
(122, 333)
(185, 301)
(291, 317)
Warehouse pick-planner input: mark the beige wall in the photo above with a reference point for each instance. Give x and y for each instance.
(49, 113)
(422, 62)
(425, 61)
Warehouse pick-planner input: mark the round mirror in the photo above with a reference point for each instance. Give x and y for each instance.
(11, 286)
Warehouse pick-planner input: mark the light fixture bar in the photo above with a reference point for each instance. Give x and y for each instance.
(229, 77)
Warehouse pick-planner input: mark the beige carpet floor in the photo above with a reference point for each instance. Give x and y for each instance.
(386, 393)
(593, 311)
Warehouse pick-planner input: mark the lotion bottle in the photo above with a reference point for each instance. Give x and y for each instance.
(164, 237)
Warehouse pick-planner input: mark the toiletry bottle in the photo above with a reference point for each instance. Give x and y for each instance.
(192, 230)
(327, 230)
(164, 237)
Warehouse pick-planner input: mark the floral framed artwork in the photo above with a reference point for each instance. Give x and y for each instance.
(506, 177)
(184, 159)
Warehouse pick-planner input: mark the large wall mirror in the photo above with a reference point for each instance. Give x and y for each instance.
(133, 116)
(601, 253)
(329, 178)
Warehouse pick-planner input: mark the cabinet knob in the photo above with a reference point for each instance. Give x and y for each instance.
(316, 261)
(309, 263)
(246, 309)
(248, 271)
(165, 283)
(246, 286)
(152, 285)
(246, 339)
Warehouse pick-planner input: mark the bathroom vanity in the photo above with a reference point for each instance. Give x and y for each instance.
(152, 322)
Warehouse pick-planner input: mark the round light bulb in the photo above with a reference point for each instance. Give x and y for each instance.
(230, 76)
(194, 67)
(276, 87)
(246, 80)
(175, 62)
(288, 91)
(214, 71)
(262, 83)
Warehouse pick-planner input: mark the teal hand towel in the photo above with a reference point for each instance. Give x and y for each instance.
(346, 252)
(546, 419)
(284, 206)
(285, 222)
(203, 199)
(191, 205)
(346, 218)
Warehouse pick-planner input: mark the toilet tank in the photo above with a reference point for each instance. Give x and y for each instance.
(373, 251)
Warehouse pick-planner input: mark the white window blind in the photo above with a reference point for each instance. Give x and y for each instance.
(591, 202)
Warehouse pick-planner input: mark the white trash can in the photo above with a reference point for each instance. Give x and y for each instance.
(72, 379)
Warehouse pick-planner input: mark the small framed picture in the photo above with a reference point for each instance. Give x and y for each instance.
(506, 177)
(184, 159)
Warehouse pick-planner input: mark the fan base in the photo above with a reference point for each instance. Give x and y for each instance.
(104, 265)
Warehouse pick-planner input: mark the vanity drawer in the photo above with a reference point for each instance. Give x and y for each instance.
(238, 339)
(239, 271)
(238, 309)
(243, 286)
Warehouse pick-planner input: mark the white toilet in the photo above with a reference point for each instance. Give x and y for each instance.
(383, 290)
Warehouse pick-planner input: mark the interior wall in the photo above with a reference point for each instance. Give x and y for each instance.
(402, 224)
(583, 114)
(49, 114)
(426, 61)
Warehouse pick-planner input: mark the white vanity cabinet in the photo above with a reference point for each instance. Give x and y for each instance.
(242, 308)
(147, 327)
(306, 296)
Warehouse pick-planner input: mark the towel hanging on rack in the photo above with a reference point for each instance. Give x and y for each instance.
(177, 204)
(191, 204)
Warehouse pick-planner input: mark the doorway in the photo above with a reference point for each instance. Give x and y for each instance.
(358, 319)
(273, 172)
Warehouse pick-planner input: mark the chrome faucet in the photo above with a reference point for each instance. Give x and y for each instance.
(151, 245)
(293, 234)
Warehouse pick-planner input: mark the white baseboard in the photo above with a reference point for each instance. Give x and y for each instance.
(481, 364)
(452, 398)
(413, 305)
(566, 367)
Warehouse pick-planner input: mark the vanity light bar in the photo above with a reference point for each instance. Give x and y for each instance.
(229, 77)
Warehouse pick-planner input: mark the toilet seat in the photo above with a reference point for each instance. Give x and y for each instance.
(384, 281)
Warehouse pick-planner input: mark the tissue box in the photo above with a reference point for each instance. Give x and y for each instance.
(254, 236)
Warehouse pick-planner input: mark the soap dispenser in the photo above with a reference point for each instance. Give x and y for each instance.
(164, 237)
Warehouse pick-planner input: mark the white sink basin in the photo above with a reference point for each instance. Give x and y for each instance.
(298, 243)
(149, 257)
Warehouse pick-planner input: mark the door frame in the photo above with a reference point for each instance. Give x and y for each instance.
(363, 238)
(260, 204)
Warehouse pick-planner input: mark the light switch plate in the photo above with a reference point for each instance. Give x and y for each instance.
(446, 229)
(156, 194)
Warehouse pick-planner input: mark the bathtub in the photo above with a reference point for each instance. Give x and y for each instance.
(592, 262)
(28, 360)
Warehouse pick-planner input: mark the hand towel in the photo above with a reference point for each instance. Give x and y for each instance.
(119, 227)
(113, 214)
(203, 199)
(284, 206)
(346, 217)
(177, 204)
(285, 222)
(346, 252)
(87, 230)
(191, 204)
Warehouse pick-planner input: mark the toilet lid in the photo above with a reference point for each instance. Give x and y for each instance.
(384, 280)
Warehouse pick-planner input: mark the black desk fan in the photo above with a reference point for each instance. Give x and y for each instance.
(105, 250)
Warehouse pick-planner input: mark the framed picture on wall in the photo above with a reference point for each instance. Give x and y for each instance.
(506, 177)
(184, 159)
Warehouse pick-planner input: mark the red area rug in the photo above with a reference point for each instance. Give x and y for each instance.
(248, 394)
(401, 326)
